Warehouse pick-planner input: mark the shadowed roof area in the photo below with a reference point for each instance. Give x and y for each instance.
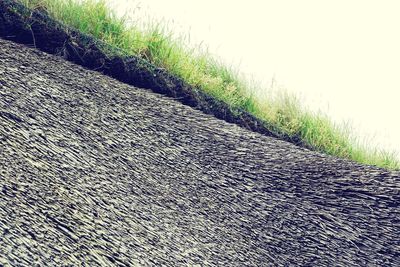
(99, 172)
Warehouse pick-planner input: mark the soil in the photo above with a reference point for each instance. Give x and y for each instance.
(36, 29)
(95, 172)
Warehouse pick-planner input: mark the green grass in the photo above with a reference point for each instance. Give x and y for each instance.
(155, 43)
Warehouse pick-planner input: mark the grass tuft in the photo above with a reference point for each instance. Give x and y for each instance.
(154, 42)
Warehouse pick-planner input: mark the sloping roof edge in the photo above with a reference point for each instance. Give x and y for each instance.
(35, 28)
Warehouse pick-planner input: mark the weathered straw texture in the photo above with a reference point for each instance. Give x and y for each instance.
(95, 172)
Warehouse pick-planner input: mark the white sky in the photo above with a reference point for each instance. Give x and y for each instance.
(341, 57)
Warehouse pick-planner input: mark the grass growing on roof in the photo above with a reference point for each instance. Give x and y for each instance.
(155, 43)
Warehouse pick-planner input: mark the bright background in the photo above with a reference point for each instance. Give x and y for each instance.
(341, 57)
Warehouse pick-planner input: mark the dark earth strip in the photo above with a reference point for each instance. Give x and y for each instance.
(94, 172)
(37, 29)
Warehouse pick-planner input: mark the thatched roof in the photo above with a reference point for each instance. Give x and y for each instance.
(98, 172)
